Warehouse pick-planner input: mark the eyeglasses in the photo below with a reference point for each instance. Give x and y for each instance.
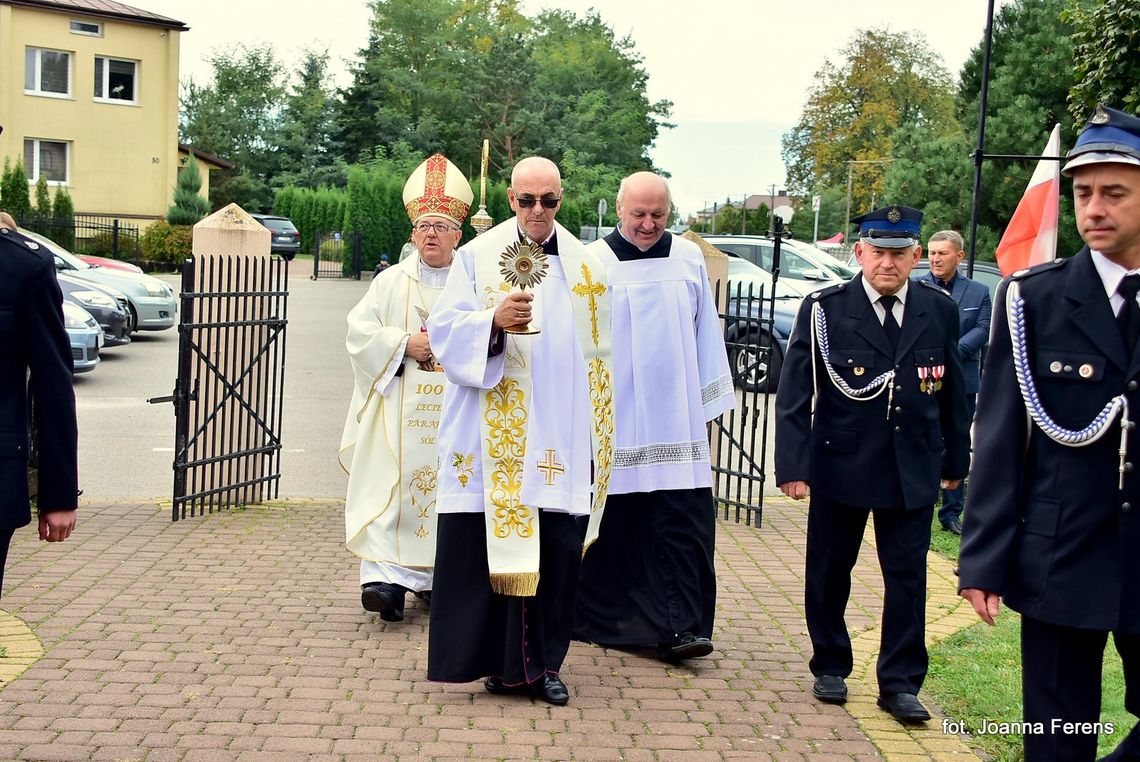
(548, 202)
(434, 227)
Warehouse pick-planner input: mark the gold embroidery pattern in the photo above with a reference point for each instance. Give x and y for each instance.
(602, 400)
(506, 443)
(590, 290)
(423, 481)
(464, 466)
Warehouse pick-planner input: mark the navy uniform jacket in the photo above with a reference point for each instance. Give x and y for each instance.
(852, 452)
(973, 300)
(1046, 525)
(32, 338)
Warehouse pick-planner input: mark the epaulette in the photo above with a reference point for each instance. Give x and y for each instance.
(936, 287)
(823, 293)
(1044, 267)
(15, 238)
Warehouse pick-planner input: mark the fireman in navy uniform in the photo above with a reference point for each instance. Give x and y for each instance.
(34, 340)
(877, 361)
(1053, 525)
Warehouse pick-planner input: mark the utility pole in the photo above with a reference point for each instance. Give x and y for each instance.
(714, 218)
(743, 213)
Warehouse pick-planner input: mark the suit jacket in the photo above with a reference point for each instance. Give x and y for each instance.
(973, 300)
(851, 451)
(1047, 526)
(33, 338)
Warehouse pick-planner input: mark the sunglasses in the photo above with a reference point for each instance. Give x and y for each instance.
(528, 202)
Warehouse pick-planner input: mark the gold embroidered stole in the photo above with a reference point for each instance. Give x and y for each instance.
(512, 527)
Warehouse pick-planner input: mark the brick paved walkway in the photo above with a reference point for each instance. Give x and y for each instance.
(240, 636)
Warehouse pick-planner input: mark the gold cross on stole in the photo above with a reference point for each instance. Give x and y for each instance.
(551, 467)
(591, 291)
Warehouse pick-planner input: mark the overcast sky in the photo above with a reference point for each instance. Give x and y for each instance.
(737, 71)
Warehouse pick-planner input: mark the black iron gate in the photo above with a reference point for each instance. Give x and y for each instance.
(757, 327)
(338, 255)
(231, 373)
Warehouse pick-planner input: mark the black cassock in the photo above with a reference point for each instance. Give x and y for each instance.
(478, 633)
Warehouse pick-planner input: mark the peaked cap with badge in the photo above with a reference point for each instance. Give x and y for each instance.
(437, 188)
(1110, 137)
(891, 227)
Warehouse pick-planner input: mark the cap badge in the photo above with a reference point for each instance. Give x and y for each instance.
(894, 215)
(1100, 116)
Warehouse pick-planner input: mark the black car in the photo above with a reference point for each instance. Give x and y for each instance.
(284, 238)
(108, 310)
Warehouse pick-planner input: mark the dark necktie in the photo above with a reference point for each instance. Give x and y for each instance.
(1129, 317)
(890, 326)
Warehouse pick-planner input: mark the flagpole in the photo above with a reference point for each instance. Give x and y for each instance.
(978, 152)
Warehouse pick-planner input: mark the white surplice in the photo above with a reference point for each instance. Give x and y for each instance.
(671, 372)
(379, 327)
(560, 413)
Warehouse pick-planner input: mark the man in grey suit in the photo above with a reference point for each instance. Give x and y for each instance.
(945, 252)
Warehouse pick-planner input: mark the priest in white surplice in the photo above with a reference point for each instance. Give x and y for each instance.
(522, 421)
(649, 579)
(389, 443)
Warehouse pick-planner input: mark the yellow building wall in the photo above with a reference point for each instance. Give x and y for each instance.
(123, 157)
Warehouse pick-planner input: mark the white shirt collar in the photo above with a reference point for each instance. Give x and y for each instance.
(1111, 274)
(873, 295)
(878, 307)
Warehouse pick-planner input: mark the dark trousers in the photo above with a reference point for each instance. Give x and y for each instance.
(5, 539)
(476, 632)
(835, 532)
(953, 500)
(1061, 679)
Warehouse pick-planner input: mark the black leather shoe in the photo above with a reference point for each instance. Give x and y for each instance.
(830, 689)
(499, 688)
(425, 596)
(953, 526)
(385, 599)
(684, 646)
(904, 707)
(552, 690)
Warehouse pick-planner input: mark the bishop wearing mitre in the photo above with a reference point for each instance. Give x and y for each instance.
(389, 443)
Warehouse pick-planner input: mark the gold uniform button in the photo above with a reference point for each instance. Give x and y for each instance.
(1055, 366)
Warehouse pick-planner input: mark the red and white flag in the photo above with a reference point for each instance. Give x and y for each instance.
(1031, 236)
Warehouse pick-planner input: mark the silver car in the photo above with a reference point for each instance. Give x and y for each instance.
(151, 301)
(86, 337)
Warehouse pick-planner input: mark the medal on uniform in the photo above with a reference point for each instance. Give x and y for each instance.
(922, 374)
(936, 378)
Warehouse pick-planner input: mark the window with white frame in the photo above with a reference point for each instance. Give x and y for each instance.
(48, 159)
(116, 79)
(47, 72)
(92, 28)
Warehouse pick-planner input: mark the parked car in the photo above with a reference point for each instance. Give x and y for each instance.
(86, 337)
(284, 237)
(753, 356)
(114, 264)
(800, 264)
(102, 305)
(151, 301)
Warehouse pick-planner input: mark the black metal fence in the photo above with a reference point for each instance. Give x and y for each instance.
(738, 439)
(231, 373)
(90, 234)
(338, 255)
